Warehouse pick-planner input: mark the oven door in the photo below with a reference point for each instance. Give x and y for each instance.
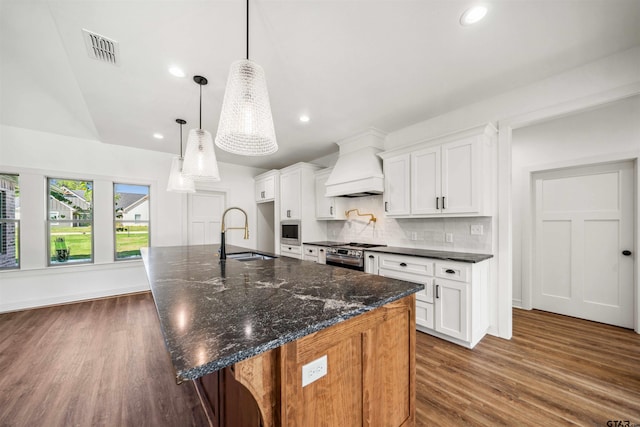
(338, 260)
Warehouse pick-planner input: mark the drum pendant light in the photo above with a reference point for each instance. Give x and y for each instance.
(178, 183)
(246, 123)
(200, 161)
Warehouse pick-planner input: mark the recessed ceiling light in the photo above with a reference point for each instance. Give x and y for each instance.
(304, 118)
(176, 71)
(158, 136)
(473, 15)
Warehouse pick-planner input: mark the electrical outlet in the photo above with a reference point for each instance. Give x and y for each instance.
(414, 235)
(448, 237)
(477, 229)
(313, 371)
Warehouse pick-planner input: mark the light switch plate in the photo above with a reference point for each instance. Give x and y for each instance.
(448, 237)
(313, 371)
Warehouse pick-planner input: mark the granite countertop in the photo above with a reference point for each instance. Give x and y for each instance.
(215, 313)
(428, 253)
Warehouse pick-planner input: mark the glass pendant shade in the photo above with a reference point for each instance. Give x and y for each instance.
(246, 123)
(200, 158)
(178, 183)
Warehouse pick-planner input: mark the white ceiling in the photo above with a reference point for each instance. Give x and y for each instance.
(349, 64)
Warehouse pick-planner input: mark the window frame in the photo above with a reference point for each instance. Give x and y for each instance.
(58, 221)
(4, 221)
(116, 220)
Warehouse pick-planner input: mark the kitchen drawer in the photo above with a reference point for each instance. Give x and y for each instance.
(311, 251)
(457, 271)
(291, 251)
(426, 295)
(404, 275)
(424, 314)
(408, 264)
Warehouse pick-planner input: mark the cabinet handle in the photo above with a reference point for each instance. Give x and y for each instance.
(321, 250)
(371, 257)
(288, 213)
(330, 210)
(262, 194)
(626, 253)
(443, 204)
(450, 271)
(437, 291)
(403, 264)
(386, 206)
(437, 202)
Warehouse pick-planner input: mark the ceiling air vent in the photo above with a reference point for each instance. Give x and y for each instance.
(101, 48)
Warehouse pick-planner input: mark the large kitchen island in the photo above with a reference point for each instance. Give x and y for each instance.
(284, 342)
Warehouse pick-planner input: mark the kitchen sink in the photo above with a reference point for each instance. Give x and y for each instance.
(249, 256)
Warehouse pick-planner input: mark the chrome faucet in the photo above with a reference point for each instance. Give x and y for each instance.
(222, 250)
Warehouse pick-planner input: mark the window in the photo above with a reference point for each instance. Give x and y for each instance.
(9, 222)
(70, 221)
(131, 219)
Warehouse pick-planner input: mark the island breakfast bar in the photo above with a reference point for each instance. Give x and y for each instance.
(285, 342)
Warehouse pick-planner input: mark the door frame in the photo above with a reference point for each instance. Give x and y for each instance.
(503, 292)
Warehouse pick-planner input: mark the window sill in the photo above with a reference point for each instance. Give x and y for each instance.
(66, 269)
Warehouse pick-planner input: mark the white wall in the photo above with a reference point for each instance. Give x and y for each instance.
(36, 155)
(582, 138)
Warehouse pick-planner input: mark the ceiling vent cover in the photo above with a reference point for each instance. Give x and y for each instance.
(101, 48)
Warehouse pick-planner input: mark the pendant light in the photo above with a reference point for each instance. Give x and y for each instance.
(178, 183)
(200, 158)
(246, 123)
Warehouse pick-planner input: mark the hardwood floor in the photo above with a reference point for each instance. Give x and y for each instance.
(103, 363)
(98, 363)
(556, 370)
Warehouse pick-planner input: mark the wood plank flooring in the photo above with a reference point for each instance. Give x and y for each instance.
(103, 363)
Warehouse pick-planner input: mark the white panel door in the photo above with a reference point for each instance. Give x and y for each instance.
(452, 308)
(290, 194)
(460, 176)
(426, 189)
(205, 217)
(583, 224)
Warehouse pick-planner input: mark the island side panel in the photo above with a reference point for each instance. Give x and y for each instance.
(371, 371)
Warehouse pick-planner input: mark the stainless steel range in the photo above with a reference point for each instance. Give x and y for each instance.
(350, 255)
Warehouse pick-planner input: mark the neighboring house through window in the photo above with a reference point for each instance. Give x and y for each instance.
(70, 221)
(131, 220)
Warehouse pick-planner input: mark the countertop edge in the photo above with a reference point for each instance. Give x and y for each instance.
(200, 371)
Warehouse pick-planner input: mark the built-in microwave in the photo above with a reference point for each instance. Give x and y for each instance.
(290, 233)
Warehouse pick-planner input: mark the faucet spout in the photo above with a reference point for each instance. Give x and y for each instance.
(223, 229)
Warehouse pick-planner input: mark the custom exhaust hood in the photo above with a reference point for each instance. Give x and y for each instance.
(358, 171)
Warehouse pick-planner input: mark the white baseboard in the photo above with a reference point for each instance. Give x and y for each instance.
(65, 299)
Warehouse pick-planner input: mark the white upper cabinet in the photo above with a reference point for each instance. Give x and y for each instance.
(449, 176)
(397, 185)
(327, 207)
(265, 186)
(290, 194)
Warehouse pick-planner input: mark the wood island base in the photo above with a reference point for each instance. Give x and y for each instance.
(370, 379)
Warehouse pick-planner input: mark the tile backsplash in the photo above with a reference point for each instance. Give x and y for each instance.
(423, 233)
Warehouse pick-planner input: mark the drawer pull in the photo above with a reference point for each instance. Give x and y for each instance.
(371, 257)
(403, 264)
(450, 271)
(437, 291)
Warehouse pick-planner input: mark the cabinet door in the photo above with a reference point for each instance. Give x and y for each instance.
(426, 187)
(452, 308)
(290, 188)
(461, 176)
(396, 185)
(260, 192)
(424, 314)
(370, 263)
(325, 206)
(269, 188)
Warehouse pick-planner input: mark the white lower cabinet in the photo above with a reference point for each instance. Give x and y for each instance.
(292, 251)
(454, 302)
(314, 253)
